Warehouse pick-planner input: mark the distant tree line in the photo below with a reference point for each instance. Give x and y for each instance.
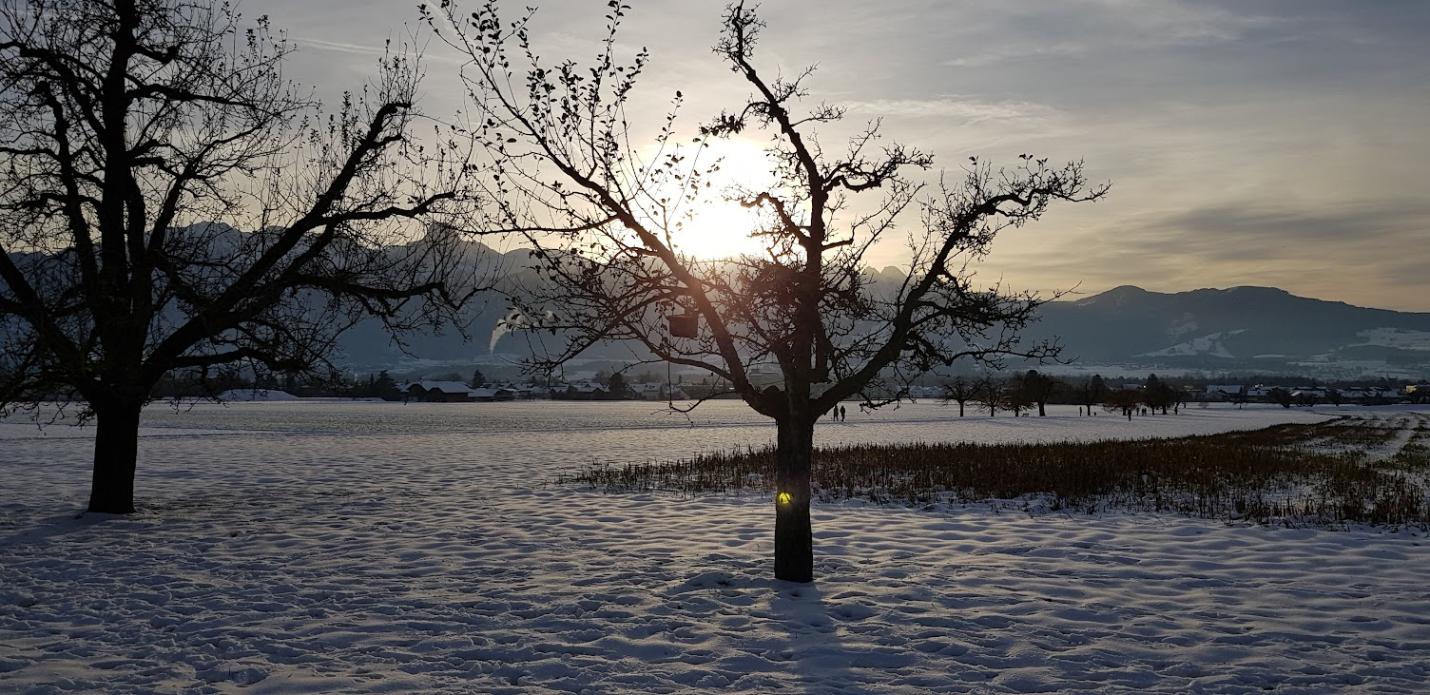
(1032, 391)
(331, 384)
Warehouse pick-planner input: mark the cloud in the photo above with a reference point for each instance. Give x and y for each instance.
(340, 47)
(1006, 53)
(1344, 230)
(1013, 31)
(1367, 251)
(963, 109)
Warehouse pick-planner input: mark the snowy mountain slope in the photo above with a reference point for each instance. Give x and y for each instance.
(1211, 345)
(1240, 327)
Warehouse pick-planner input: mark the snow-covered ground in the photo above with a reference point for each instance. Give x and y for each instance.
(377, 547)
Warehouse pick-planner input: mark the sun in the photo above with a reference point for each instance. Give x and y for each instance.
(720, 229)
(715, 227)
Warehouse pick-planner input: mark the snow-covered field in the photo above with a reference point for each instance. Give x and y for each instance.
(374, 547)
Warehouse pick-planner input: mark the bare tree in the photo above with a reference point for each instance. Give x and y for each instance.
(1159, 395)
(988, 393)
(605, 215)
(1038, 388)
(131, 133)
(960, 391)
(1092, 392)
(1015, 395)
(1125, 401)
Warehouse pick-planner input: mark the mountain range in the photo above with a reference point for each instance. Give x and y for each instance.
(1239, 330)
(1246, 329)
(1261, 330)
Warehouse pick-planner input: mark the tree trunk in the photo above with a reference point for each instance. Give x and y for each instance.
(1042, 409)
(960, 408)
(116, 449)
(794, 540)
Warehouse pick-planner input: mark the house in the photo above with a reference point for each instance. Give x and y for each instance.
(925, 392)
(1225, 392)
(488, 394)
(585, 391)
(657, 392)
(437, 391)
(259, 395)
(525, 392)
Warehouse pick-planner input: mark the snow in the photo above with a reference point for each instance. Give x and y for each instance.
(1401, 338)
(256, 395)
(382, 547)
(1210, 344)
(1406, 430)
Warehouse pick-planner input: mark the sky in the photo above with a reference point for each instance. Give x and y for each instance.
(1248, 142)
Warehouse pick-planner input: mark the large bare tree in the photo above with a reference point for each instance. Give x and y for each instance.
(132, 134)
(604, 216)
(960, 390)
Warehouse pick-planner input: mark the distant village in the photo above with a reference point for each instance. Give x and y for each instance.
(458, 392)
(1011, 391)
(615, 389)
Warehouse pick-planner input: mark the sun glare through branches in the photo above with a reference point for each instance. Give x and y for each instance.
(710, 223)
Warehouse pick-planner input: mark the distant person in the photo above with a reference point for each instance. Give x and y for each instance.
(843, 414)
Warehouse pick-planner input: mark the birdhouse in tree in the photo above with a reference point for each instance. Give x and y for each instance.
(684, 325)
